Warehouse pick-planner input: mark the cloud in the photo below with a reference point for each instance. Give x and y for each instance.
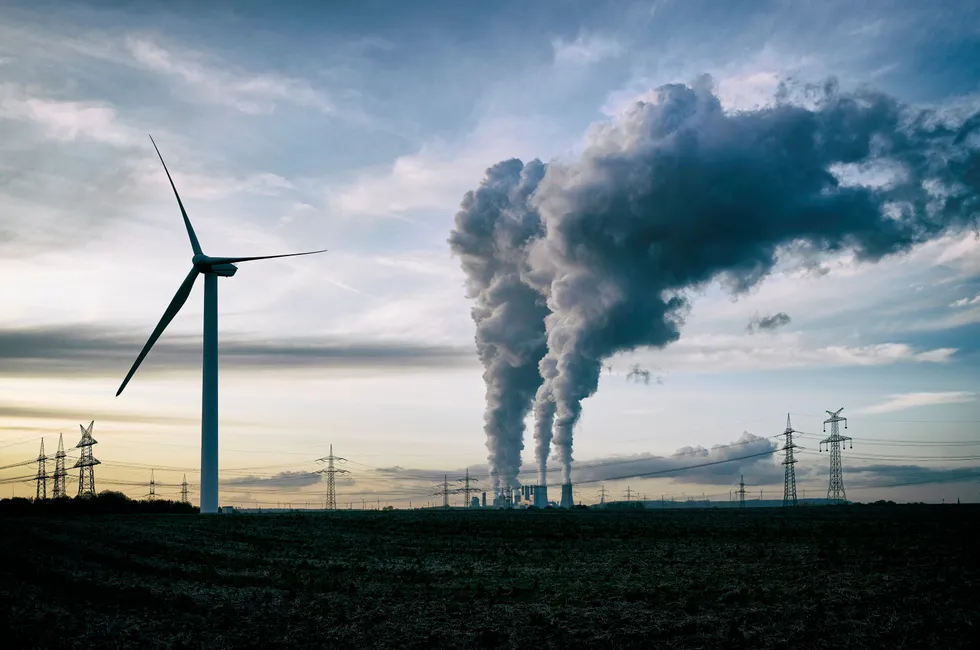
(903, 401)
(438, 175)
(683, 465)
(217, 83)
(769, 323)
(966, 302)
(284, 480)
(586, 49)
(21, 412)
(884, 475)
(87, 350)
(66, 120)
(723, 352)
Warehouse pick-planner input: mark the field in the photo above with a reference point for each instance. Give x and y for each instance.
(853, 577)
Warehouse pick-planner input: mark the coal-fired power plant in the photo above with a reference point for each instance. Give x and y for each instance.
(573, 261)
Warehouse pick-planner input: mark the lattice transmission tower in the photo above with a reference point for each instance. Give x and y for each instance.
(86, 462)
(153, 487)
(331, 471)
(60, 473)
(42, 474)
(789, 476)
(741, 491)
(444, 491)
(602, 494)
(835, 490)
(183, 490)
(466, 490)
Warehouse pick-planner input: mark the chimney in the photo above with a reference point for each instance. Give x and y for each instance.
(484, 499)
(566, 496)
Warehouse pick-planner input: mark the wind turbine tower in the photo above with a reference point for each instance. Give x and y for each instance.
(86, 462)
(211, 268)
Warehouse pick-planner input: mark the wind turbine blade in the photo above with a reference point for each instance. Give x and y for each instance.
(178, 301)
(187, 222)
(236, 260)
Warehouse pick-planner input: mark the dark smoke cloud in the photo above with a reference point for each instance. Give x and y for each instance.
(493, 227)
(677, 193)
(768, 323)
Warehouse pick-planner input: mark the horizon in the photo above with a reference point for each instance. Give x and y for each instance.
(287, 133)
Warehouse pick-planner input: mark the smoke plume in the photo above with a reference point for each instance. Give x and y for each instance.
(677, 192)
(493, 228)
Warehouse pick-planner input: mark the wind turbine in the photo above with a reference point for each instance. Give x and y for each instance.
(211, 268)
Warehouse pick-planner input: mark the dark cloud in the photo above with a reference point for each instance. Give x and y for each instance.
(677, 193)
(885, 475)
(77, 417)
(83, 350)
(750, 455)
(493, 227)
(283, 480)
(768, 323)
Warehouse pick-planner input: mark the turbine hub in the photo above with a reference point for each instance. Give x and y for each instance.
(224, 270)
(205, 264)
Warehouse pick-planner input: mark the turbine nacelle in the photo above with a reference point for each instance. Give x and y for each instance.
(218, 266)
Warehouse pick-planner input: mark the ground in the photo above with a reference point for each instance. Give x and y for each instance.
(830, 577)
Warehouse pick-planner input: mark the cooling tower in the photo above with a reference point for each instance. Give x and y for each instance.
(566, 496)
(540, 496)
(475, 503)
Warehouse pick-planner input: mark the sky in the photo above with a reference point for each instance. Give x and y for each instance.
(295, 126)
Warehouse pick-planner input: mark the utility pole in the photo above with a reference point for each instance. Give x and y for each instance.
(444, 491)
(86, 462)
(602, 494)
(741, 491)
(331, 471)
(466, 490)
(789, 475)
(183, 490)
(60, 475)
(42, 475)
(835, 489)
(153, 487)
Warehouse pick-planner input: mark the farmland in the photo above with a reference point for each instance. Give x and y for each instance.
(859, 576)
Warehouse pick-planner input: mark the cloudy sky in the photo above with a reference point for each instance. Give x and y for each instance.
(359, 130)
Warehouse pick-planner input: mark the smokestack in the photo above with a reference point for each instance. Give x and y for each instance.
(566, 495)
(484, 499)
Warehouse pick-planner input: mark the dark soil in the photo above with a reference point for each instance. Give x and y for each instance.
(850, 577)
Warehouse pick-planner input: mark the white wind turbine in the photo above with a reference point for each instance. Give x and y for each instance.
(210, 268)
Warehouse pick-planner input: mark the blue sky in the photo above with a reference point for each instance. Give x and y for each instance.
(307, 125)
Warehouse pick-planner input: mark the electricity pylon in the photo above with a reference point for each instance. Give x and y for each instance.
(87, 462)
(789, 476)
(835, 489)
(153, 487)
(183, 490)
(60, 474)
(741, 491)
(602, 494)
(466, 489)
(42, 474)
(444, 491)
(331, 471)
